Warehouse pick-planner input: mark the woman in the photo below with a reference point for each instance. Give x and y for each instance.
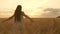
(18, 16)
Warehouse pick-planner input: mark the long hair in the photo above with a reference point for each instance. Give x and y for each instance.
(18, 13)
(18, 9)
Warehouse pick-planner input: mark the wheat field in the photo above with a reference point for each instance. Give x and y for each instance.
(39, 26)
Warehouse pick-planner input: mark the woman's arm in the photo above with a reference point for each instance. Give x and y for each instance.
(28, 17)
(8, 19)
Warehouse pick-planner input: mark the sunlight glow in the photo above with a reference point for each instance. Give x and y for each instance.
(30, 7)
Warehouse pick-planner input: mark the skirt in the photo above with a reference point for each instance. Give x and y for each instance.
(16, 28)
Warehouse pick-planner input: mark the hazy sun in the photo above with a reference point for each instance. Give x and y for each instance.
(30, 7)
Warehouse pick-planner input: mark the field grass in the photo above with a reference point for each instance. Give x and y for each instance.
(39, 26)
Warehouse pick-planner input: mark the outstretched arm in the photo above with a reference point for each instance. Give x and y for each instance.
(8, 19)
(28, 17)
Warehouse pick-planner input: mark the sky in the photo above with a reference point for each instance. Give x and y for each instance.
(32, 8)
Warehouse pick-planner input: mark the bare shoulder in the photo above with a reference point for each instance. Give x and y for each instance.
(23, 12)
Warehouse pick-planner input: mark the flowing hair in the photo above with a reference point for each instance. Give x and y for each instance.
(18, 9)
(18, 13)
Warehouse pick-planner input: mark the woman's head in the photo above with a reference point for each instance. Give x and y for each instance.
(19, 7)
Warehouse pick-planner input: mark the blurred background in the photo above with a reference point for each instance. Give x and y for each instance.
(33, 8)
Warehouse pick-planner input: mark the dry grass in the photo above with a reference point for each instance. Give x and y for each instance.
(39, 26)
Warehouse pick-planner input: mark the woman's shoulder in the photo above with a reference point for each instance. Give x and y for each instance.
(22, 12)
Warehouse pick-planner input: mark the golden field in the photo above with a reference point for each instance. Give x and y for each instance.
(38, 26)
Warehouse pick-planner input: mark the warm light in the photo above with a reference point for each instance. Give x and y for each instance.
(32, 8)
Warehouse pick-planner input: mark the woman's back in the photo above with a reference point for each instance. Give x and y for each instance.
(18, 14)
(18, 17)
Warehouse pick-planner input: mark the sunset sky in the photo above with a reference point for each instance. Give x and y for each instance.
(33, 8)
